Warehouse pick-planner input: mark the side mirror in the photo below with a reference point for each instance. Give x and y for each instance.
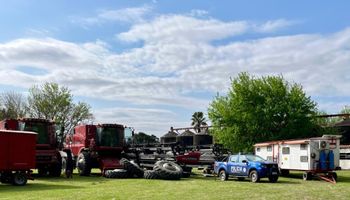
(244, 161)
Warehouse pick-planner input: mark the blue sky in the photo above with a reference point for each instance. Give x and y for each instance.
(151, 64)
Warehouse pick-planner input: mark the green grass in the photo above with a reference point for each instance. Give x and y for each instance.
(196, 187)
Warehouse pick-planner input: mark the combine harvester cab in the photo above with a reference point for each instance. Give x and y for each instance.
(97, 146)
(17, 156)
(49, 159)
(317, 157)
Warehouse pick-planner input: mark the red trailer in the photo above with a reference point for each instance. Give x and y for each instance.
(50, 160)
(17, 156)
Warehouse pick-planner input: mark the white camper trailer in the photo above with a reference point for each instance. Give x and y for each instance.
(312, 155)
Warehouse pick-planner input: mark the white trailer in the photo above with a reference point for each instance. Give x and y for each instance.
(313, 155)
(345, 157)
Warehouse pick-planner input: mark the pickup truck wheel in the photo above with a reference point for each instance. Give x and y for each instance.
(273, 179)
(222, 175)
(254, 176)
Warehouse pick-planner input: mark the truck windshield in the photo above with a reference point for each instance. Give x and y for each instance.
(254, 158)
(109, 136)
(41, 129)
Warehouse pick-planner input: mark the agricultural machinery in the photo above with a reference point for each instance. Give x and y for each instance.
(17, 156)
(50, 160)
(188, 157)
(97, 146)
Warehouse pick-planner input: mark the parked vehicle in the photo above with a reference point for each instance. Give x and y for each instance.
(97, 146)
(50, 159)
(243, 166)
(318, 156)
(17, 156)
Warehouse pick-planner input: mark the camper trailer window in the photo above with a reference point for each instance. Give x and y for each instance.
(285, 150)
(345, 156)
(258, 149)
(303, 159)
(303, 147)
(269, 148)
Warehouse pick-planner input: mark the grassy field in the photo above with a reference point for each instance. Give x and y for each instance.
(196, 187)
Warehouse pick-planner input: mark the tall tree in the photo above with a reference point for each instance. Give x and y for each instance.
(13, 105)
(261, 109)
(50, 101)
(198, 120)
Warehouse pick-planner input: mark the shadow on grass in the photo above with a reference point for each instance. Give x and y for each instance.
(35, 187)
(215, 178)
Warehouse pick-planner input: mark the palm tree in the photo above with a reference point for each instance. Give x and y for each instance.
(198, 120)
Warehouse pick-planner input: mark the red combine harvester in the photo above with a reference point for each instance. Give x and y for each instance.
(97, 146)
(17, 156)
(49, 159)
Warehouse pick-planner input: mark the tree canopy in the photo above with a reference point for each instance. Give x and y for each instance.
(261, 109)
(13, 105)
(50, 101)
(198, 120)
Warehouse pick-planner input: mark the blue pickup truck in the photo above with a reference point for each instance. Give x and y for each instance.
(246, 166)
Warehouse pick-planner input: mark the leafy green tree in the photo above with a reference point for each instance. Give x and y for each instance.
(50, 101)
(198, 120)
(261, 109)
(13, 105)
(143, 138)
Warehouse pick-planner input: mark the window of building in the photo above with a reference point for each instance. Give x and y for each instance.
(269, 148)
(303, 147)
(304, 159)
(258, 149)
(285, 150)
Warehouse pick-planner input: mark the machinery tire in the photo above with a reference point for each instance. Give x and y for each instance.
(186, 174)
(334, 176)
(222, 175)
(132, 168)
(151, 174)
(116, 173)
(56, 169)
(186, 171)
(168, 170)
(19, 179)
(254, 176)
(84, 164)
(307, 176)
(273, 179)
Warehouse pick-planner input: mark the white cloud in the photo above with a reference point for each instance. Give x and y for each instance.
(128, 15)
(274, 25)
(180, 28)
(177, 60)
(198, 13)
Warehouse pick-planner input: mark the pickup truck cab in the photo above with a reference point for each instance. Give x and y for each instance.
(244, 166)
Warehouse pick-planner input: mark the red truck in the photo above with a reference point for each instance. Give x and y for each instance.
(97, 146)
(50, 160)
(17, 156)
